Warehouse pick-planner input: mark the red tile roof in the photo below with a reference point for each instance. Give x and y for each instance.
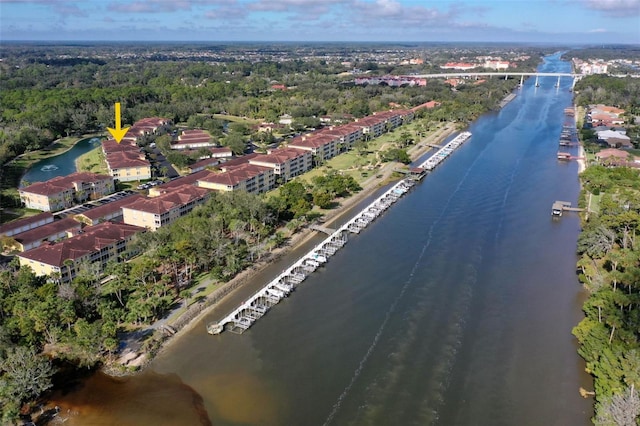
(109, 208)
(110, 145)
(235, 174)
(91, 240)
(62, 183)
(11, 227)
(312, 140)
(50, 229)
(126, 159)
(183, 180)
(279, 156)
(175, 198)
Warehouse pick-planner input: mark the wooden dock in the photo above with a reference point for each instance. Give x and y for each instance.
(321, 228)
(559, 207)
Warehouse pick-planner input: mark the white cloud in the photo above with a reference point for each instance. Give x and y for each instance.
(150, 6)
(615, 8)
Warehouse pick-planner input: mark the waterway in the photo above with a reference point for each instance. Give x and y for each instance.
(59, 165)
(453, 308)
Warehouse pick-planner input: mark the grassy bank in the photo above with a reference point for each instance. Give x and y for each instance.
(93, 161)
(12, 172)
(207, 291)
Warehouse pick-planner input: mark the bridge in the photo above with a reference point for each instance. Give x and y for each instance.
(522, 75)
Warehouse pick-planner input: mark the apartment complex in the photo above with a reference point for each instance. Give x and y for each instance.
(53, 231)
(243, 177)
(125, 161)
(152, 213)
(193, 139)
(95, 246)
(65, 191)
(286, 163)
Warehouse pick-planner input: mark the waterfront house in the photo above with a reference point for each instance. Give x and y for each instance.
(615, 139)
(65, 191)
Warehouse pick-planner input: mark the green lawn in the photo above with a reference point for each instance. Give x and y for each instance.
(235, 119)
(92, 161)
(594, 205)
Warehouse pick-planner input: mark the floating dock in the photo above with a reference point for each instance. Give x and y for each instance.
(444, 152)
(256, 306)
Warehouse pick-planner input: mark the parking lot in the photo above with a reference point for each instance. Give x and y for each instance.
(91, 204)
(149, 184)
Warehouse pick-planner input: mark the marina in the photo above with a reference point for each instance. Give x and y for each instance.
(444, 152)
(256, 306)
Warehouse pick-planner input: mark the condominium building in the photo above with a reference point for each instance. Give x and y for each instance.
(286, 163)
(95, 246)
(153, 213)
(247, 177)
(65, 191)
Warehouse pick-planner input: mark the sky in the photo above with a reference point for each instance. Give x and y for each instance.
(521, 21)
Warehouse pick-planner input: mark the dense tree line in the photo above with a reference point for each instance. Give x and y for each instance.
(46, 98)
(78, 321)
(609, 268)
(615, 91)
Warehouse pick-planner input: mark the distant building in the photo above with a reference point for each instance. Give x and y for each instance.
(497, 65)
(193, 139)
(392, 80)
(463, 66)
(65, 191)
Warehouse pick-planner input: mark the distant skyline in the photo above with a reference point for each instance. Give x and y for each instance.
(518, 21)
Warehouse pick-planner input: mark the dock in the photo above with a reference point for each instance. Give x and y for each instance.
(444, 152)
(256, 306)
(559, 207)
(321, 228)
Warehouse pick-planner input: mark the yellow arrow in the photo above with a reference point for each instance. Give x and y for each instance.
(118, 133)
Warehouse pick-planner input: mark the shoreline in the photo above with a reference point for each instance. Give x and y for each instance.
(28, 167)
(141, 359)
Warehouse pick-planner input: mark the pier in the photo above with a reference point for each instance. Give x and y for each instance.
(256, 306)
(559, 207)
(445, 151)
(324, 229)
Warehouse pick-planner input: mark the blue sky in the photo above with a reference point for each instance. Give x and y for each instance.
(555, 21)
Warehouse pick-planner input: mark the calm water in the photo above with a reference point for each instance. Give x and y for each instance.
(454, 308)
(60, 165)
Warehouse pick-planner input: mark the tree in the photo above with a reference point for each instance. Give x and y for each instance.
(25, 375)
(235, 142)
(621, 409)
